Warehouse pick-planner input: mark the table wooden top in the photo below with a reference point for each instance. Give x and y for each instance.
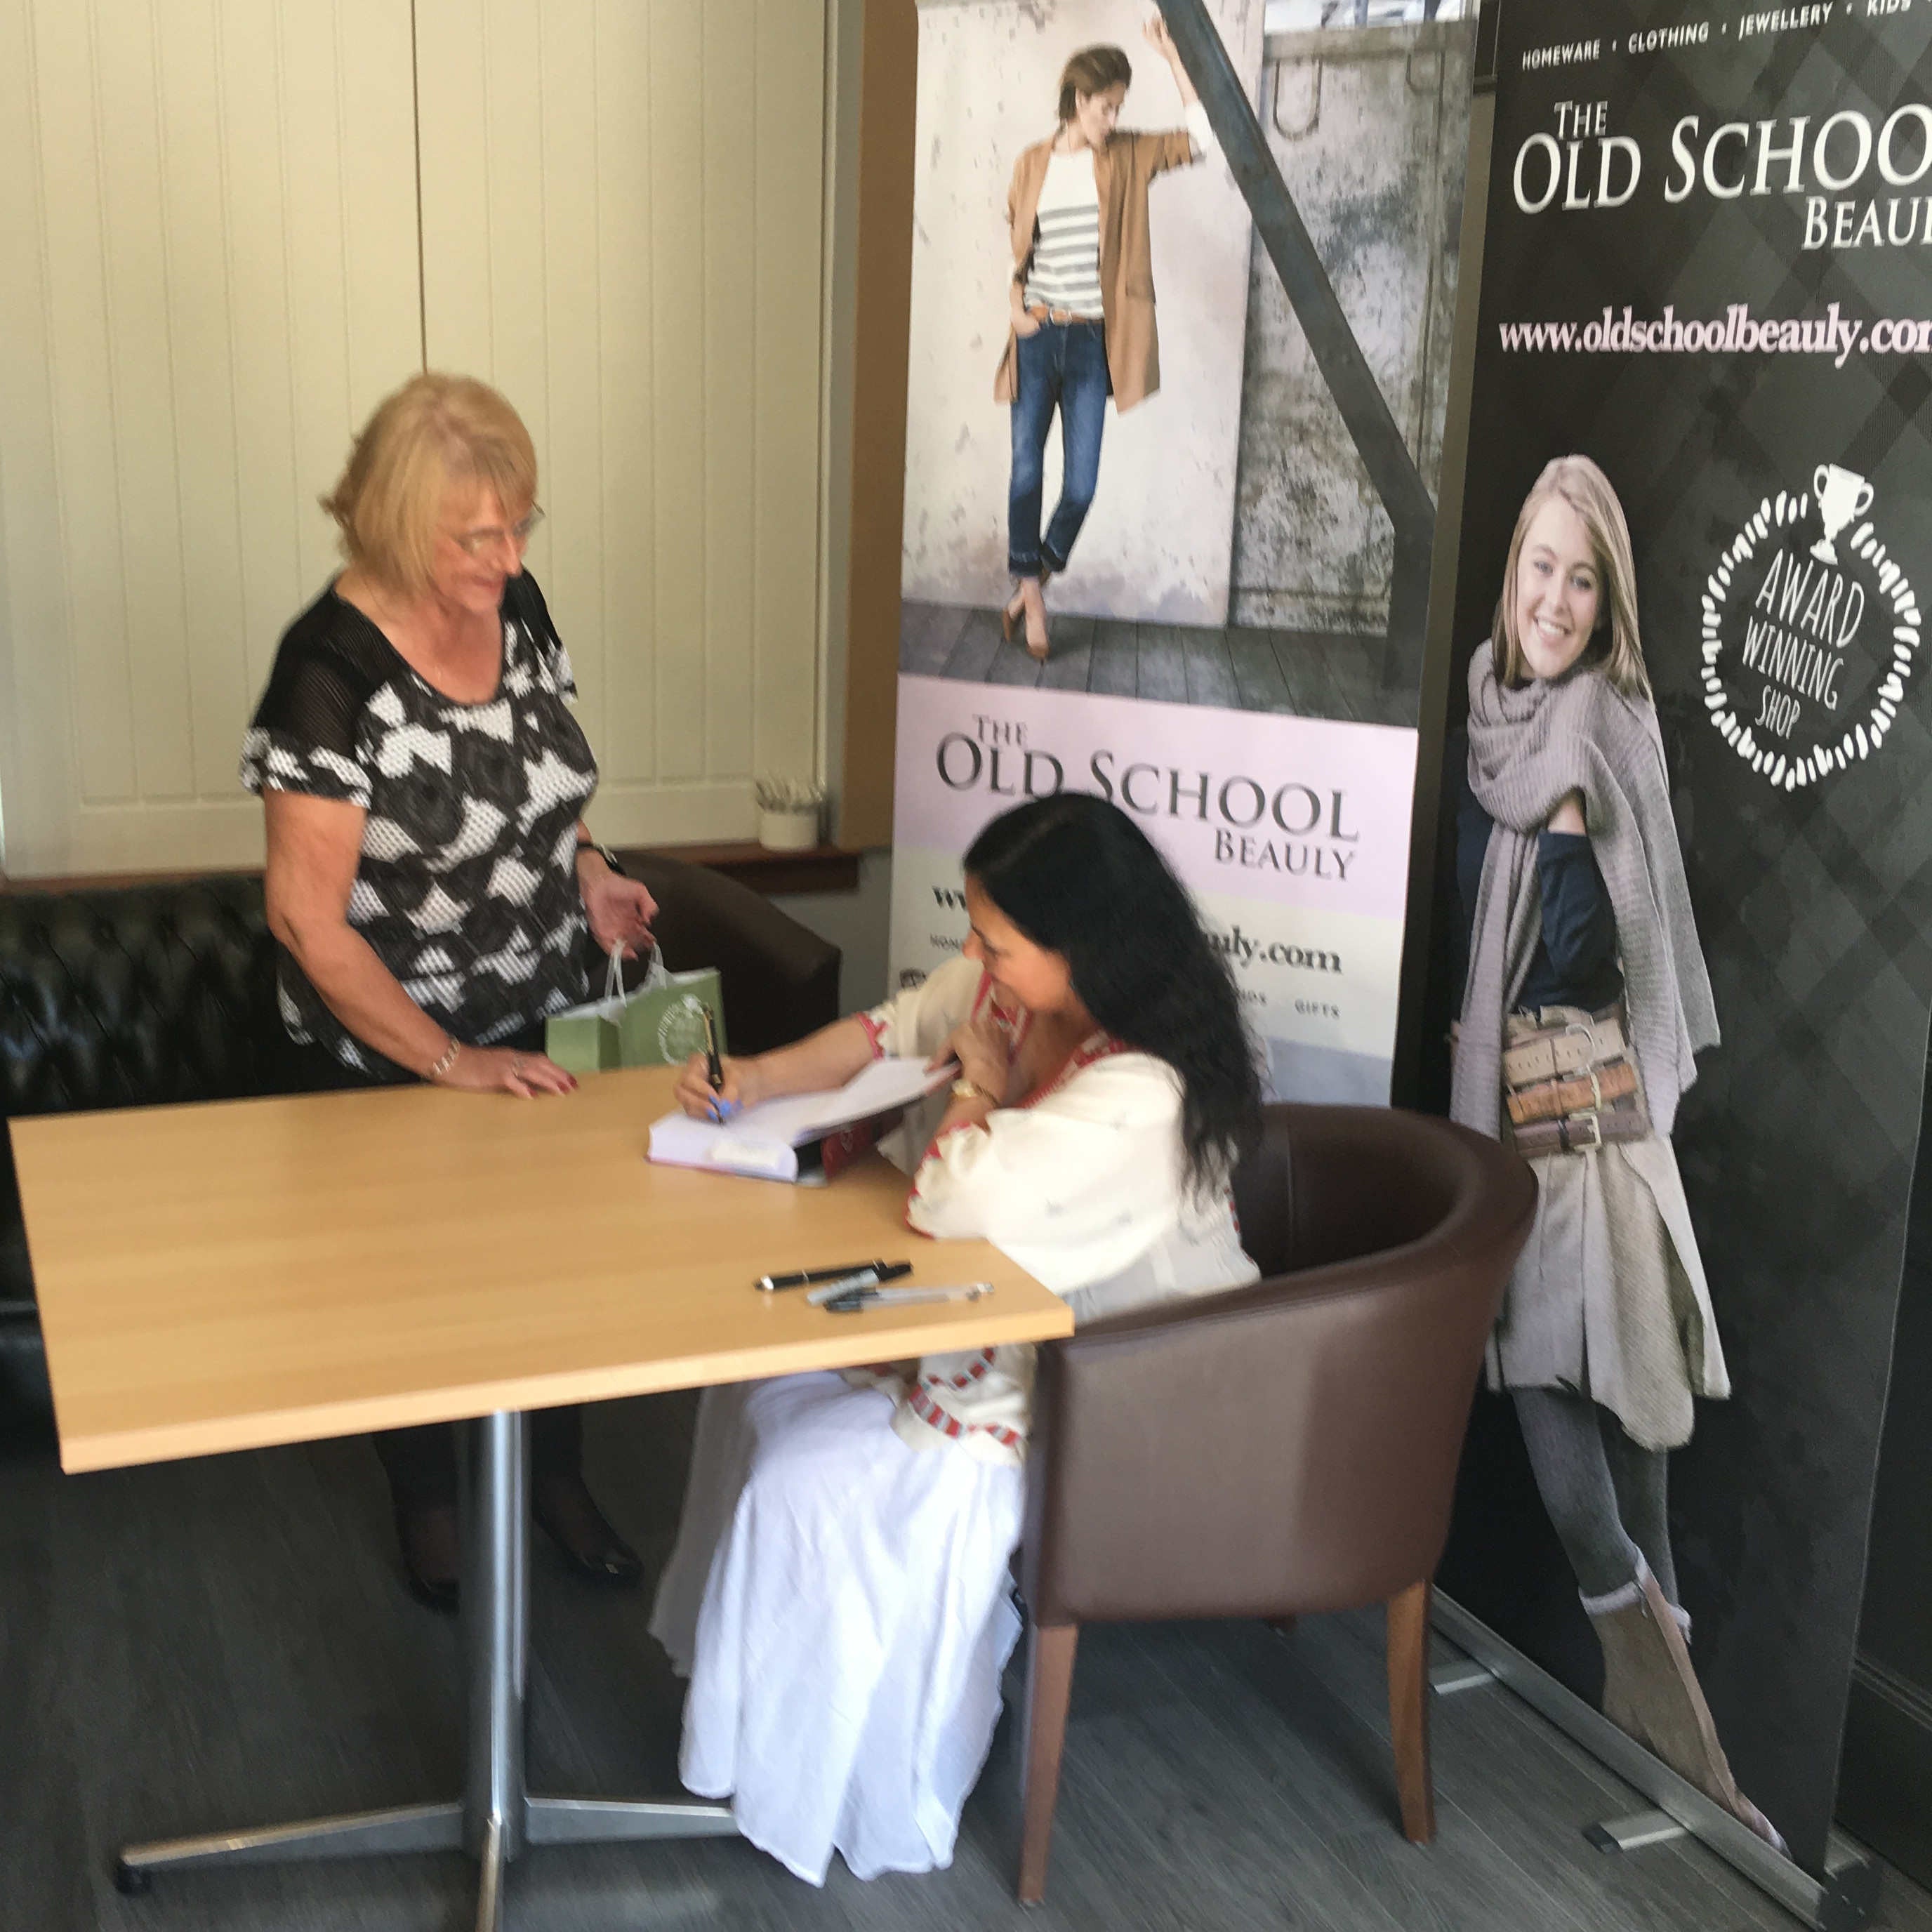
(243, 1272)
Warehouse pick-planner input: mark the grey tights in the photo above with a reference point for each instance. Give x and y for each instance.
(1605, 1494)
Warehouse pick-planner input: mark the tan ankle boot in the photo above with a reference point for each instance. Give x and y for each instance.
(1651, 1692)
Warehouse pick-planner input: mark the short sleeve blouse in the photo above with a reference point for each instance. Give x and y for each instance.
(467, 886)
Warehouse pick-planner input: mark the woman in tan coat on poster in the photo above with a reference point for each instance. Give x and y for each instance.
(1081, 301)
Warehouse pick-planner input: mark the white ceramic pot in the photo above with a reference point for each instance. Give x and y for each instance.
(789, 831)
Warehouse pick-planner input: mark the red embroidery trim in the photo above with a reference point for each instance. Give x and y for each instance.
(1095, 1046)
(874, 1031)
(929, 1412)
(981, 1367)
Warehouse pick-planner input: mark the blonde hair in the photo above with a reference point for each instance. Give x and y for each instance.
(1587, 491)
(434, 433)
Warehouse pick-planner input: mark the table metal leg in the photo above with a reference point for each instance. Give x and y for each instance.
(603, 1821)
(496, 1817)
(408, 1828)
(489, 1882)
(494, 1497)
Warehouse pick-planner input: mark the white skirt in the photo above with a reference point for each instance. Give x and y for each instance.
(840, 1602)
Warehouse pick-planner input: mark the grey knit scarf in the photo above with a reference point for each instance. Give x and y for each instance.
(1527, 748)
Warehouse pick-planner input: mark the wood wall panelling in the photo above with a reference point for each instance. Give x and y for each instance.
(622, 217)
(789, 107)
(220, 270)
(219, 279)
(887, 117)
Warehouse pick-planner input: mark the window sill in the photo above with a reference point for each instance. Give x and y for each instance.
(821, 868)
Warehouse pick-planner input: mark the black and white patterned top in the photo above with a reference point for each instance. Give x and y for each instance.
(466, 888)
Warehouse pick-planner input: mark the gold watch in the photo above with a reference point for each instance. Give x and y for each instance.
(964, 1089)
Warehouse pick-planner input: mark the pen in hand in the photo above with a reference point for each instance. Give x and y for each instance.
(714, 1068)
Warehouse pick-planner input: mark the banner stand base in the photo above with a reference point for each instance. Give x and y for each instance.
(1635, 1831)
(1845, 1897)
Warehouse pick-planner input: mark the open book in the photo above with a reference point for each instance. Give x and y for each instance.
(803, 1137)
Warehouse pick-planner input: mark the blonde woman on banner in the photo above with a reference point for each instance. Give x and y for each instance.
(1082, 303)
(1585, 1001)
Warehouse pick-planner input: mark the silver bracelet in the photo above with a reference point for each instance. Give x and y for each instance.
(445, 1060)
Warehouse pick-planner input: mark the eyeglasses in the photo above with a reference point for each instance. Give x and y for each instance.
(477, 543)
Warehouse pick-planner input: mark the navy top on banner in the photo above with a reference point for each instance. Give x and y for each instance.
(1708, 269)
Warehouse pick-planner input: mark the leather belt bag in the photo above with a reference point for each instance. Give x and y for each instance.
(1569, 1082)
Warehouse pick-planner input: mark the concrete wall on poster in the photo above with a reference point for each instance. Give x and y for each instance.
(1159, 541)
(1313, 547)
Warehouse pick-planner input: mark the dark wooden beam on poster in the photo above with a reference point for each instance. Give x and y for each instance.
(1420, 1062)
(1372, 427)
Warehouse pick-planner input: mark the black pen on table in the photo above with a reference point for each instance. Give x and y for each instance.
(852, 1274)
(811, 1277)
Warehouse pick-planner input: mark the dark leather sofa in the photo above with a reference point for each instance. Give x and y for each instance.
(147, 994)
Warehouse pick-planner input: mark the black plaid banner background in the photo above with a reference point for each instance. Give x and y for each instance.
(1814, 906)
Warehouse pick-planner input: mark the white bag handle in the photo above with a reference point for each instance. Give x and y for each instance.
(656, 973)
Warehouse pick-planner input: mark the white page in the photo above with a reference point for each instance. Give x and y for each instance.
(678, 1141)
(761, 1140)
(876, 1088)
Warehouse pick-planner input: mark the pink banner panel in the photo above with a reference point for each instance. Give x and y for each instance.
(1300, 812)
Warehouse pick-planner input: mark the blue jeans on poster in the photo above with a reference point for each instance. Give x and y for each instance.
(1063, 365)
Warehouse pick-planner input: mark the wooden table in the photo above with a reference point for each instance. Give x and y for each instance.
(239, 1274)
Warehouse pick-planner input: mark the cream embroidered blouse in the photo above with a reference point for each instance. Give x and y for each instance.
(1084, 1185)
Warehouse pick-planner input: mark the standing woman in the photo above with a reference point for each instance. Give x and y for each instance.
(1081, 296)
(1586, 999)
(429, 876)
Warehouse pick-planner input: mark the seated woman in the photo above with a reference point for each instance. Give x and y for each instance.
(839, 1593)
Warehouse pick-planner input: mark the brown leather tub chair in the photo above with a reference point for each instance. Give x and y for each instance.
(1289, 1447)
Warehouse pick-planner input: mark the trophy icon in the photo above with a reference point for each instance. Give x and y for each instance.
(1842, 495)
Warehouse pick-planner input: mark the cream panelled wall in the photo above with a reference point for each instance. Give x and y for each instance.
(218, 262)
(622, 224)
(210, 220)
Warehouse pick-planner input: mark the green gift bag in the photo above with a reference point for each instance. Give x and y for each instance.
(660, 1024)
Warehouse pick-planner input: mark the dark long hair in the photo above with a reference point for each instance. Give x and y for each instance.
(1079, 877)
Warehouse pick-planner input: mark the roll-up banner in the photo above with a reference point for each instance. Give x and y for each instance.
(1707, 274)
(1141, 430)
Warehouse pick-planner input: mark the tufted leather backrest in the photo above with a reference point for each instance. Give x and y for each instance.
(127, 997)
(137, 996)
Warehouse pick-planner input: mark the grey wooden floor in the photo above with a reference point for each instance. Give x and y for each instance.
(225, 1642)
(1309, 674)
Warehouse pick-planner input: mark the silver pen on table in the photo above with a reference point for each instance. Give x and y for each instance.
(849, 1301)
(870, 1275)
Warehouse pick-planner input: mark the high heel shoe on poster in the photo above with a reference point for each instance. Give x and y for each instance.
(1013, 611)
(1010, 614)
